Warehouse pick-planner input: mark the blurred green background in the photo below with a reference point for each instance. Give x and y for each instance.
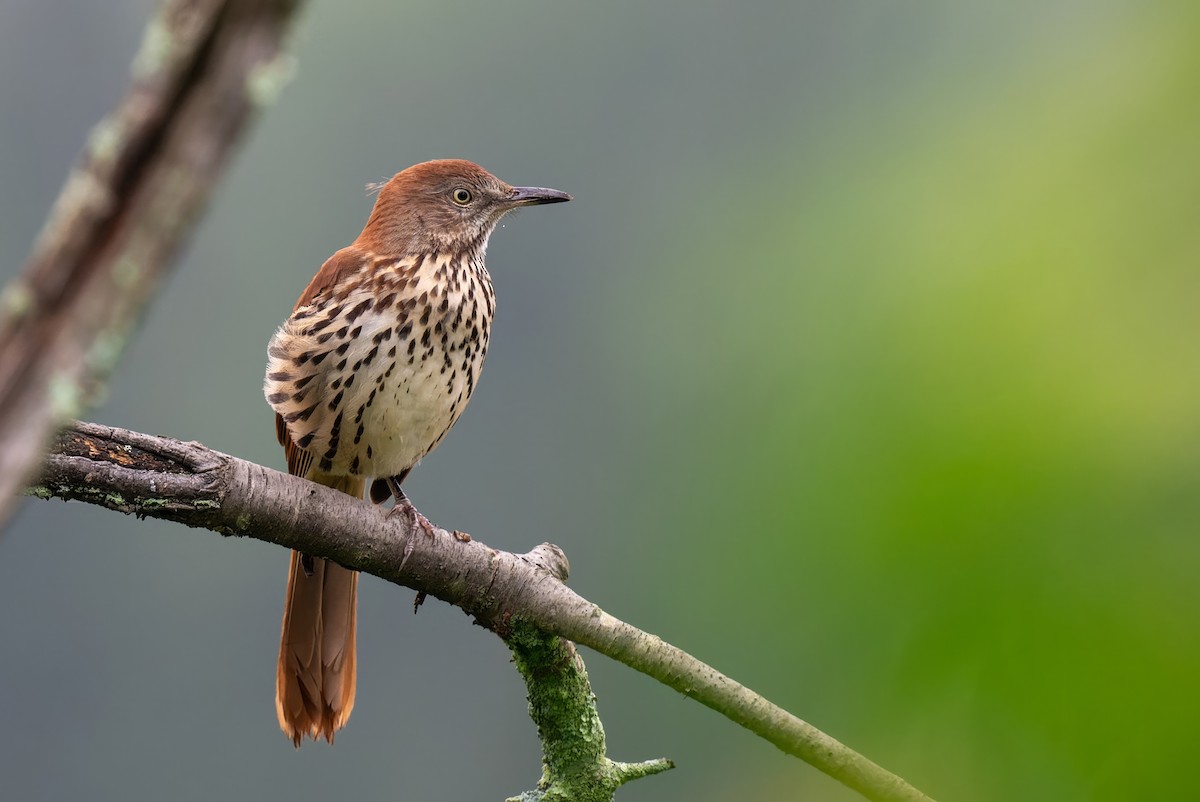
(864, 367)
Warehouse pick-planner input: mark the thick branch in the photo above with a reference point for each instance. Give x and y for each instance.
(188, 483)
(204, 69)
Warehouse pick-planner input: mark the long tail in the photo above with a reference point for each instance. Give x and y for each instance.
(314, 682)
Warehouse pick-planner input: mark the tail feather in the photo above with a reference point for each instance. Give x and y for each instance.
(315, 677)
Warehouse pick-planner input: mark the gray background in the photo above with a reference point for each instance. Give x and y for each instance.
(862, 366)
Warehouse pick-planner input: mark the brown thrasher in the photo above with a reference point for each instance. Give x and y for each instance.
(376, 363)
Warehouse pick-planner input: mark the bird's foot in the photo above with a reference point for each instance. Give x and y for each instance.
(416, 521)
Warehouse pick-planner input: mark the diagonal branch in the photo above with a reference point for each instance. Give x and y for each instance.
(205, 69)
(191, 484)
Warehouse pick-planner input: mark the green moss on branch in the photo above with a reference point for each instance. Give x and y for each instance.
(562, 705)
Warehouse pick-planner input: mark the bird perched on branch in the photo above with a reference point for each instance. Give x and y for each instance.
(375, 364)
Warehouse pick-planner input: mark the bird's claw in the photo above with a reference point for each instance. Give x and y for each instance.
(416, 521)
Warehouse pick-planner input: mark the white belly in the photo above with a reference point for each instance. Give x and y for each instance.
(371, 397)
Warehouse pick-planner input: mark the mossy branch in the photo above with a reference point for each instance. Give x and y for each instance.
(520, 597)
(575, 767)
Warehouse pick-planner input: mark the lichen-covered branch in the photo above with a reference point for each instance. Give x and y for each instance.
(204, 69)
(575, 765)
(188, 483)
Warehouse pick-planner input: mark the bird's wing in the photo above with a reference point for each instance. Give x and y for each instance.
(327, 287)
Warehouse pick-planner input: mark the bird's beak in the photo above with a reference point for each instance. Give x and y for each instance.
(535, 196)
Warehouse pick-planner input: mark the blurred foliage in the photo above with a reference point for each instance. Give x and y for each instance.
(936, 399)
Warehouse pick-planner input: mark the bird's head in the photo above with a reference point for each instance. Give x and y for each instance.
(449, 204)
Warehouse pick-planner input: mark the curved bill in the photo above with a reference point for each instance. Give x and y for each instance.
(534, 196)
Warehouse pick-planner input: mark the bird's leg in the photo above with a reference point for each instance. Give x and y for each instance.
(415, 519)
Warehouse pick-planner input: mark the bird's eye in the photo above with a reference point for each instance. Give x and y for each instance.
(461, 196)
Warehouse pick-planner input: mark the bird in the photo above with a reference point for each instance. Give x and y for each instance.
(377, 361)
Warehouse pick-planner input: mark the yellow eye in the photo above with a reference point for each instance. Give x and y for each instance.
(461, 196)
